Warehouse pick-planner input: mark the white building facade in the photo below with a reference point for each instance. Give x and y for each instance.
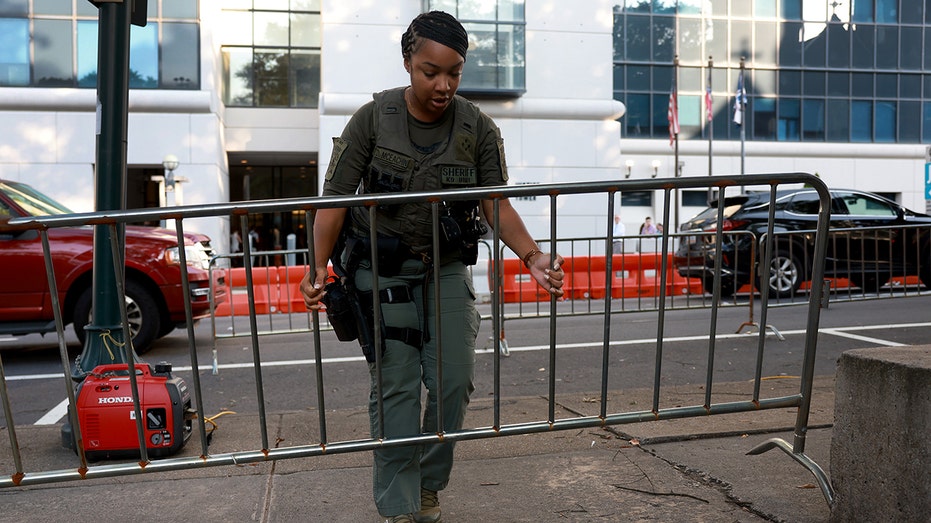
(248, 94)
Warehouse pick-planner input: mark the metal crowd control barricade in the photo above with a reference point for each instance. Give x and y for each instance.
(608, 413)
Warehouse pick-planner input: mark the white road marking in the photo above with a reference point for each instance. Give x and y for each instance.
(877, 341)
(61, 410)
(55, 415)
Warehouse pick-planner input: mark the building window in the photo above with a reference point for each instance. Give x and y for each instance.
(496, 65)
(271, 53)
(50, 43)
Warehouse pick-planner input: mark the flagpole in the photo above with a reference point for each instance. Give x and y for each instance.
(742, 105)
(675, 87)
(710, 124)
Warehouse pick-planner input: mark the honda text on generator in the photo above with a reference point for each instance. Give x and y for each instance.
(108, 419)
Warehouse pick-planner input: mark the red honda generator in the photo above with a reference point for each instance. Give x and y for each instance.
(108, 418)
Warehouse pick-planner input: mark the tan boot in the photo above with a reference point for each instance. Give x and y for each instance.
(429, 507)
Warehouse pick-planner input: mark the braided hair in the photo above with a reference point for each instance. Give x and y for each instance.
(438, 26)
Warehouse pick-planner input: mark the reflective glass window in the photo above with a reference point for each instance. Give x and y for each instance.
(305, 78)
(50, 7)
(813, 120)
(271, 70)
(87, 53)
(862, 85)
(53, 53)
(885, 122)
(765, 43)
(178, 8)
(305, 30)
(637, 118)
(909, 115)
(660, 115)
(887, 47)
(638, 78)
(741, 36)
(270, 29)
(235, 28)
(910, 48)
(789, 120)
(838, 46)
(638, 38)
(14, 52)
(719, 7)
(861, 121)
(764, 8)
(237, 73)
(910, 86)
(662, 78)
(862, 11)
(790, 46)
(691, 115)
(143, 57)
(790, 82)
(690, 40)
(813, 51)
(690, 7)
(180, 69)
(863, 43)
(926, 122)
(14, 7)
(764, 81)
(764, 118)
(792, 9)
(741, 9)
(637, 6)
(664, 6)
(813, 83)
(838, 84)
(664, 38)
(716, 41)
(838, 120)
(887, 85)
(887, 11)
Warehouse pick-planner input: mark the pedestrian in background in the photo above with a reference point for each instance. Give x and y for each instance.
(647, 227)
(418, 137)
(619, 231)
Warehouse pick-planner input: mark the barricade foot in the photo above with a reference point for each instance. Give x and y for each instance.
(803, 460)
(754, 324)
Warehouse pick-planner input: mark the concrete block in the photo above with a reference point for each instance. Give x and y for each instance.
(881, 444)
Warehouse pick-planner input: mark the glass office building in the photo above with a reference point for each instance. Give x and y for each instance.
(850, 71)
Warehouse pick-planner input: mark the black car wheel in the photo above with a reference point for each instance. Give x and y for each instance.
(141, 312)
(785, 274)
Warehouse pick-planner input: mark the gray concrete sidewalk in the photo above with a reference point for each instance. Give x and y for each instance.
(692, 469)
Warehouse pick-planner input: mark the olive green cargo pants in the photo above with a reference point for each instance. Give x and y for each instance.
(400, 472)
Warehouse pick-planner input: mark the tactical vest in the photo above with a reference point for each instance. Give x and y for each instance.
(397, 166)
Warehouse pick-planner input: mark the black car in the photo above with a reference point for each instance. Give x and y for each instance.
(872, 240)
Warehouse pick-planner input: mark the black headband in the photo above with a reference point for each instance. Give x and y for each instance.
(440, 27)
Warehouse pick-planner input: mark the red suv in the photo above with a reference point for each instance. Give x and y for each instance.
(154, 295)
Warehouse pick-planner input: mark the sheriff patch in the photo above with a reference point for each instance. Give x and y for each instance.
(399, 162)
(458, 175)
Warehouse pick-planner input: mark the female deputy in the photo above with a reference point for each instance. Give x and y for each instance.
(416, 138)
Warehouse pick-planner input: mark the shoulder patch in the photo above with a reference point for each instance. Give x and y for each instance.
(339, 147)
(503, 164)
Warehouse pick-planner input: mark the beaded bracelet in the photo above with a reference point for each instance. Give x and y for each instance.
(531, 254)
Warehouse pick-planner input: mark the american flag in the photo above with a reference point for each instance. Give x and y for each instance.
(673, 115)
